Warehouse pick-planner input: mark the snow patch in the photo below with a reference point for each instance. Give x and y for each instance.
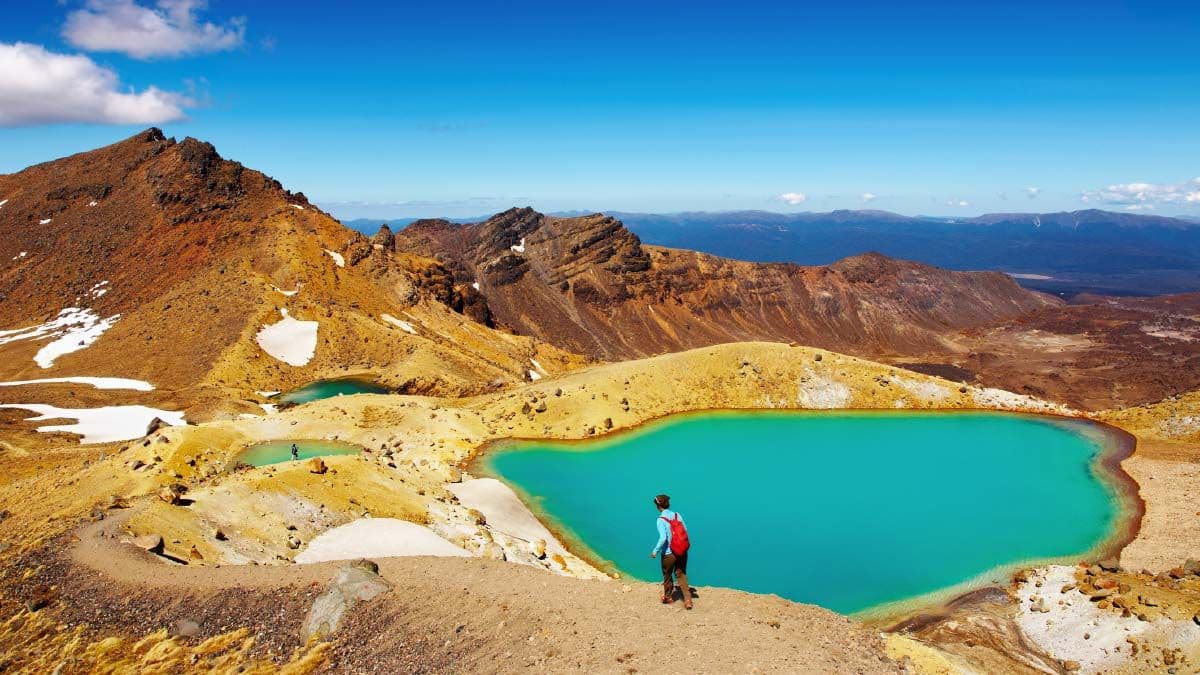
(75, 329)
(3, 202)
(337, 258)
(539, 367)
(286, 293)
(291, 341)
(510, 523)
(97, 382)
(44, 221)
(269, 408)
(297, 206)
(92, 203)
(377, 538)
(402, 325)
(20, 255)
(519, 248)
(100, 425)
(475, 285)
(534, 376)
(267, 394)
(98, 290)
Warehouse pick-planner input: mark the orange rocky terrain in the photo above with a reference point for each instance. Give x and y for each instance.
(155, 278)
(588, 285)
(160, 261)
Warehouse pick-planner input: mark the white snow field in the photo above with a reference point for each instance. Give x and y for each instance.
(377, 538)
(100, 425)
(291, 341)
(74, 329)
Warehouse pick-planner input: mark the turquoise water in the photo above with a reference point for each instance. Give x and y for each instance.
(274, 452)
(843, 510)
(320, 389)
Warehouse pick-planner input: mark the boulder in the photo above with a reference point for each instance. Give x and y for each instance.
(155, 424)
(317, 465)
(539, 549)
(150, 542)
(172, 494)
(1110, 565)
(40, 596)
(356, 582)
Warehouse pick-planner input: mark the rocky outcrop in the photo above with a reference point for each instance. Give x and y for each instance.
(588, 284)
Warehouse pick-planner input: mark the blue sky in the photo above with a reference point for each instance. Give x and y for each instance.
(465, 108)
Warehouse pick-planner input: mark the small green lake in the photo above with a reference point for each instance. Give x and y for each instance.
(847, 510)
(274, 452)
(320, 389)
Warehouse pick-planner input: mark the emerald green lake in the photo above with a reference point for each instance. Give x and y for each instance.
(847, 510)
(320, 389)
(274, 452)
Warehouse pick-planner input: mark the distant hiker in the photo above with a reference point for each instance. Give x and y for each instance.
(673, 544)
(295, 452)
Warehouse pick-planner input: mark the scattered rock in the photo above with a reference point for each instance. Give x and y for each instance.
(218, 534)
(1071, 666)
(608, 423)
(539, 549)
(541, 407)
(186, 628)
(195, 554)
(317, 465)
(1110, 565)
(293, 542)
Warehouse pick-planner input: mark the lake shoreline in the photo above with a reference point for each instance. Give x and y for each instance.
(1116, 445)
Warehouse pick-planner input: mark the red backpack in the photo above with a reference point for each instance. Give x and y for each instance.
(679, 535)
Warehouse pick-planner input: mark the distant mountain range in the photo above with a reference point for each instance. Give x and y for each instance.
(1066, 252)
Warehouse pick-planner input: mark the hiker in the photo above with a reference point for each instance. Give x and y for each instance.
(295, 453)
(673, 544)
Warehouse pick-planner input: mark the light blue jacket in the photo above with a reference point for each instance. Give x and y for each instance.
(663, 546)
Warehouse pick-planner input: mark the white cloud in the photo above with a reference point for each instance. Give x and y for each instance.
(957, 202)
(868, 197)
(1145, 195)
(170, 29)
(41, 87)
(1033, 192)
(793, 198)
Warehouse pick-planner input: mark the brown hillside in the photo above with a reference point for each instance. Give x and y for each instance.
(196, 251)
(588, 285)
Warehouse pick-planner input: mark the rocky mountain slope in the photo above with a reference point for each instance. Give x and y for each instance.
(588, 284)
(160, 260)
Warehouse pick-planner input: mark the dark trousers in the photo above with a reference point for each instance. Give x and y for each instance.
(675, 566)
